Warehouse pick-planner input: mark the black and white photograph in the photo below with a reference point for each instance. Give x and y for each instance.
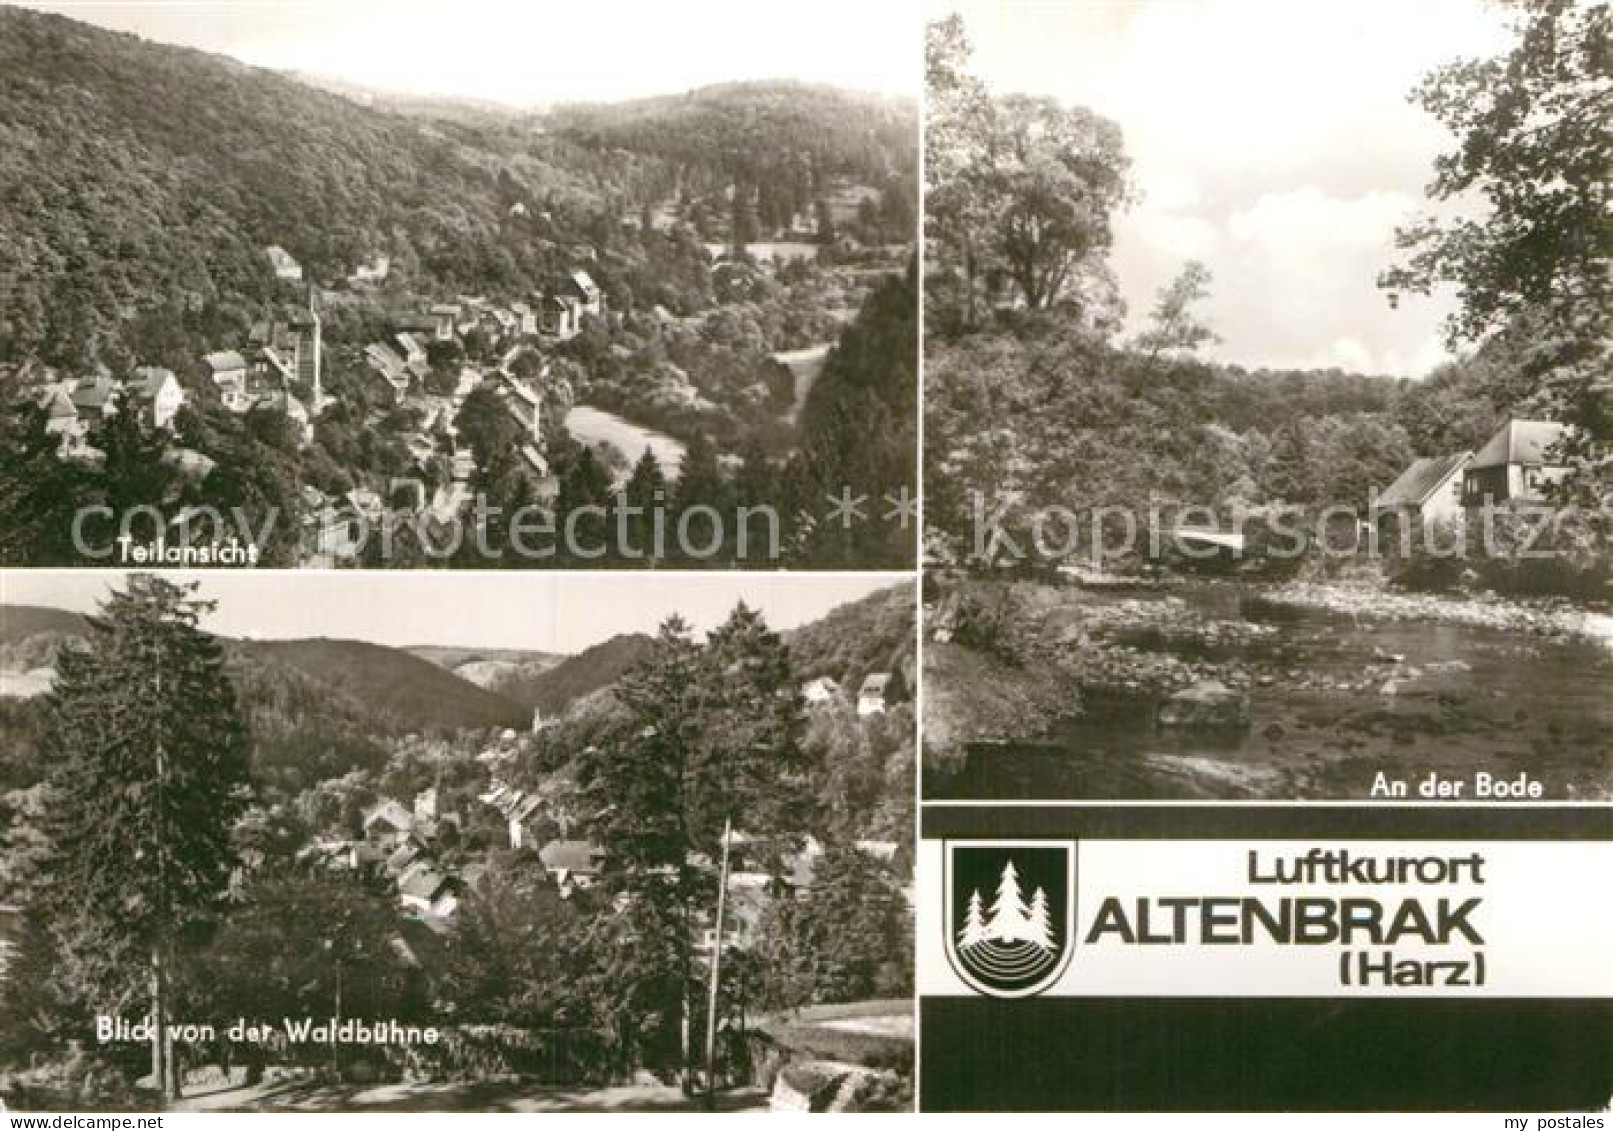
(458, 283)
(289, 842)
(1017, 556)
(1267, 402)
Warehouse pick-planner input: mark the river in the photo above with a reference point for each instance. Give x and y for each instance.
(1334, 700)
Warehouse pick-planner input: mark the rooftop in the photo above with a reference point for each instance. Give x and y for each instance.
(1520, 442)
(1422, 479)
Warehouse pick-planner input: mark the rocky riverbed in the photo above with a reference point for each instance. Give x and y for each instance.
(1539, 617)
(1233, 690)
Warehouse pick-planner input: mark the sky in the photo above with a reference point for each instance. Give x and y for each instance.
(1270, 139)
(534, 611)
(535, 52)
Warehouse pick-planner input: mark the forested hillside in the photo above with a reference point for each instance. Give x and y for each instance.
(316, 708)
(874, 634)
(135, 174)
(576, 676)
(139, 178)
(18, 622)
(394, 686)
(784, 144)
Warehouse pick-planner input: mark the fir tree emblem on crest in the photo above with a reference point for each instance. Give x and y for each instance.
(1010, 914)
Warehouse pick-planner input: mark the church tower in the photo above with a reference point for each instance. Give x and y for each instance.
(308, 361)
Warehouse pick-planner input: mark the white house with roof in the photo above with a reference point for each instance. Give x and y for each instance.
(821, 692)
(572, 863)
(871, 696)
(1519, 464)
(581, 286)
(229, 372)
(1429, 492)
(284, 266)
(158, 393)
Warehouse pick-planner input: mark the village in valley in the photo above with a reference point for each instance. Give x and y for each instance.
(437, 354)
(460, 839)
(435, 317)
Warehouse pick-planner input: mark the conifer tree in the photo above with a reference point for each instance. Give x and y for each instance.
(39, 492)
(701, 483)
(636, 781)
(749, 766)
(152, 758)
(1040, 927)
(974, 923)
(645, 491)
(1009, 915)
(586, 484)
(711, 735)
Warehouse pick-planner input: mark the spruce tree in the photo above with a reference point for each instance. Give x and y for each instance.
(636, 781)
(1040, 922)
(711, 735)
(701, 483)
(152, 758)
(39, 492)
(585, 485)
(749, 766)
(1009, 916)
(633, 534)
(974, 923)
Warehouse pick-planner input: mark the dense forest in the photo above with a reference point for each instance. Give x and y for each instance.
(784, 145)
(140, 177)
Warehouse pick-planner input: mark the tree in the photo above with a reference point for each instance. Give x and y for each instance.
(1010, 918)
(636, 779)
(313, 943)
(35, 1012)
(701, 483)
(974, 925)
(518, 955)
(1040, 927)
(1533, 144)
(825, 222)
(643, 496)
(957, 160)
(1017, 186)
(1294, 468)
(1172, 325)
(859, 940)
(1060, 175)
(134, 473)
(485, 425)
(153, 772)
